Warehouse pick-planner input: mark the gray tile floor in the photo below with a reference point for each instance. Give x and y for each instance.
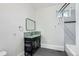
(49, 52)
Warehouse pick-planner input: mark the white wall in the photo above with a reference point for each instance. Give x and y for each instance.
(11, 17)
(51, 28)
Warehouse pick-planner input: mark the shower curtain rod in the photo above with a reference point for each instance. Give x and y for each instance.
(63, 7)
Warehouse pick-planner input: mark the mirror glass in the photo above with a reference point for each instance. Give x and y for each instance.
(30, 24)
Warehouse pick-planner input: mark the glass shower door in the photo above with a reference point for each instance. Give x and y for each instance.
(69, 24)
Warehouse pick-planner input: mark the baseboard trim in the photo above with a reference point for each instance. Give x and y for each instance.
(54, 47)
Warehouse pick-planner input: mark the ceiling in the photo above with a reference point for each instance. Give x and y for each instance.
(42, 5)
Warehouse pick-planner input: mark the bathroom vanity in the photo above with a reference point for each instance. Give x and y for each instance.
(31, 42)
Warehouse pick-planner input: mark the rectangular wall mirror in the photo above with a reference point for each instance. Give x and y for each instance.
(30, 24)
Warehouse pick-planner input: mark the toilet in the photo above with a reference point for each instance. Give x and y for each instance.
(3, 53)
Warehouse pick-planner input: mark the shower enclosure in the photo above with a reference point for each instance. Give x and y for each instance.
(67, 13)
(69, 24)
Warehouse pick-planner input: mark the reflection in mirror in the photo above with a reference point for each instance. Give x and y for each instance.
(30, 24)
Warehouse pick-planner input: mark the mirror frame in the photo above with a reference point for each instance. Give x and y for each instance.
(27, 24)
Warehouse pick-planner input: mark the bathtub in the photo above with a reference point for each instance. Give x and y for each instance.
(72, 50)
